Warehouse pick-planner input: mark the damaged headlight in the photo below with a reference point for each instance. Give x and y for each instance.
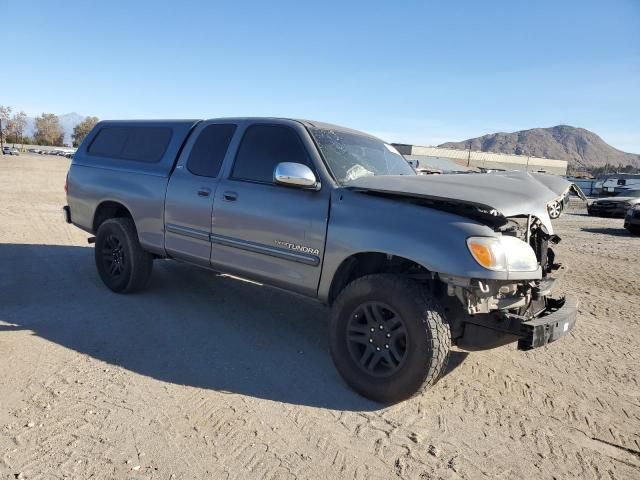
(503, 254)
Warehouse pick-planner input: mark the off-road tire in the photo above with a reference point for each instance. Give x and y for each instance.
(428, 337)
(136, 263)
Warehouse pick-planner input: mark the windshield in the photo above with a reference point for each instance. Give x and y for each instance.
(350, 156)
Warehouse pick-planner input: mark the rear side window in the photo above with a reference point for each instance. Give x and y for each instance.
(109, 142)
(140, 144)
(262, 148)
(209, 150)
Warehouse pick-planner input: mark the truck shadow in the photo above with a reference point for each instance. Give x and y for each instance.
(190, 327)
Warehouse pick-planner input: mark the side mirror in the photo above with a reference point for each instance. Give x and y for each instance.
(295, 175)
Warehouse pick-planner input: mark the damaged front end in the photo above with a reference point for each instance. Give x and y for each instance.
(513, 301)
(496, 312)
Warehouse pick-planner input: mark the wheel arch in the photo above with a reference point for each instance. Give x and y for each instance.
(366, 263)
(109, 209)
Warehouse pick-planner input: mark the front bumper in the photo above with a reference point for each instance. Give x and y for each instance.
(553, 323)
(554, 319)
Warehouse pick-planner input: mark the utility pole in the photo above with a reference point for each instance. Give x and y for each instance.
(469, 155)
(1, 137)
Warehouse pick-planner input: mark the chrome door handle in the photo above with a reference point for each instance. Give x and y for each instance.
(204, 192)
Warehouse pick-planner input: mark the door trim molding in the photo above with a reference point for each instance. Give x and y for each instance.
(285, 254)
(188, 232)
(307, 259)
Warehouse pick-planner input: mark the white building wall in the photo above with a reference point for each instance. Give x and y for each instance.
(494, 160)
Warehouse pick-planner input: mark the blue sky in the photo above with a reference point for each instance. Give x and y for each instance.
(421, 72)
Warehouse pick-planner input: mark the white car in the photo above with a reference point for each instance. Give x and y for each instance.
(10, 151)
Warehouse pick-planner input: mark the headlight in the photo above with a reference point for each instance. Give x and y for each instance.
(503, 254)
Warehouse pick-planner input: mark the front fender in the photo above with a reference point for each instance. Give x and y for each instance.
(435, 239)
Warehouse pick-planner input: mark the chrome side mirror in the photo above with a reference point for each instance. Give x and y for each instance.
(295, 175)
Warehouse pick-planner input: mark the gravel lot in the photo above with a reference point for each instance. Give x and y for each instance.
(202, 376)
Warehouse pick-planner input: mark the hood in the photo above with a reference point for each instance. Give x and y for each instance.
(505, 194)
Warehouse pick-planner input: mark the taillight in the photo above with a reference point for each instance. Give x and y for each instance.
(66, 184)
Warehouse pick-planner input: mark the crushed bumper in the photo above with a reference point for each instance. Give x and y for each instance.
(553, 323)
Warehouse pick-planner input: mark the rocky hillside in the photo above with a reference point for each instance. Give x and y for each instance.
(580, 147)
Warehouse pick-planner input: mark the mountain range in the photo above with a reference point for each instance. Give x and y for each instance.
(580, 147)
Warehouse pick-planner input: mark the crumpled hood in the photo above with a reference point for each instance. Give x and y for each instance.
(508, 193)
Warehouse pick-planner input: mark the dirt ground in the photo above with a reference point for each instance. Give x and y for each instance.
(202, 376)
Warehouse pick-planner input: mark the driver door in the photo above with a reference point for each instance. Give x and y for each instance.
(265, 231)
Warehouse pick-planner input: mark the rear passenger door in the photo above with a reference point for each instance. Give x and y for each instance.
(264, 231)
(191, 192)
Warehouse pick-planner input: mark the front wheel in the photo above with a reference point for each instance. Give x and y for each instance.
(389, 338)
(122, 263)
(555, 209)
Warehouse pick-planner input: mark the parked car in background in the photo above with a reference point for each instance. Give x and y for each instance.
(615, 206)
(10, 151)
(632, 219)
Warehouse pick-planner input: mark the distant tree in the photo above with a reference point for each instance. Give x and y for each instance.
(48, 130)
(5, 116)
(82, 130)
(609, 169)
(17, 124)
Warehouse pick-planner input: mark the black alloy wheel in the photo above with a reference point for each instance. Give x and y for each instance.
(377, 339)
(113, 256)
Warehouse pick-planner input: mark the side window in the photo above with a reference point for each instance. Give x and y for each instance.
(109, 142)
(141, 144)
(146, 144)
(209, 150)
(262, 148)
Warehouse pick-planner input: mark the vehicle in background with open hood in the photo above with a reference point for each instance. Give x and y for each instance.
(409, 264)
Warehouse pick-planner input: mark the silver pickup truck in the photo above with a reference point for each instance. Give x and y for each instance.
(408, 264)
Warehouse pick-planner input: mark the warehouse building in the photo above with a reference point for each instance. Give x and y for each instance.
(426, 156)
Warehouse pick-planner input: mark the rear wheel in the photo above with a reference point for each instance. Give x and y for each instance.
(123, 265)
(389, 338)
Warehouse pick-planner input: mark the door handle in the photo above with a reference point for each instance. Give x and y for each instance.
(204, 192)
(230, 196)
